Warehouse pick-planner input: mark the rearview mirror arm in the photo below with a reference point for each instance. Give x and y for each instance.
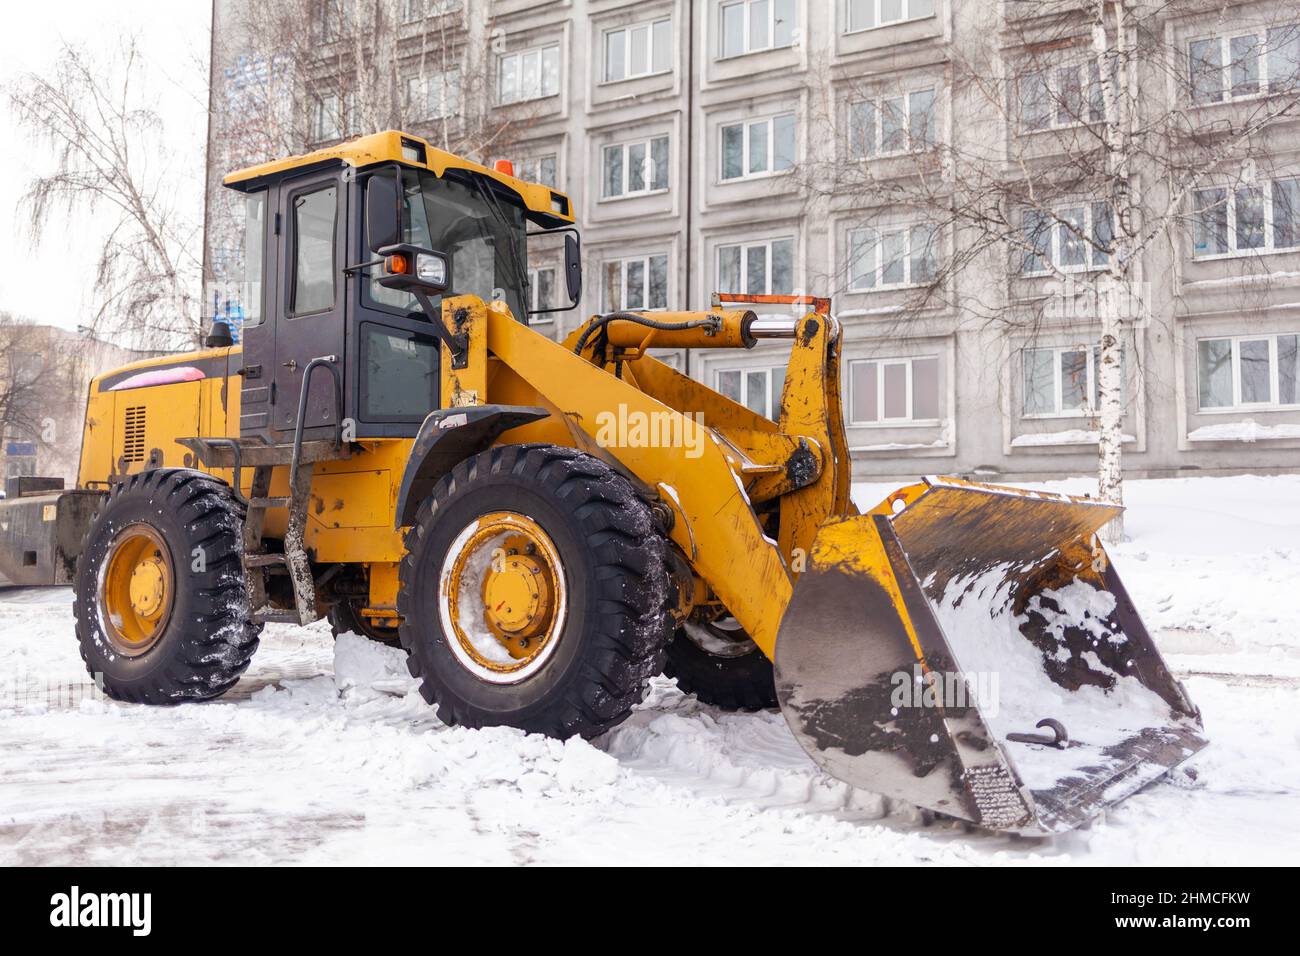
(458, 343)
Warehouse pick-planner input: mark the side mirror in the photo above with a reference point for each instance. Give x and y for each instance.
(573, 267)
(219, 335)
(383, 211)
(409, 268)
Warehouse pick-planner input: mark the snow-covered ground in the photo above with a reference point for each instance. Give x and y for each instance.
(325, 755)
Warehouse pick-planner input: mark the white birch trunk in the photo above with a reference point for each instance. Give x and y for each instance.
(1115, 292)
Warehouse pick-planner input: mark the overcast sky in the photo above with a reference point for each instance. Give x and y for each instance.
(52, 283)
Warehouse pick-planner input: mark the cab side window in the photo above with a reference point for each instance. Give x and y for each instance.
(314, 269)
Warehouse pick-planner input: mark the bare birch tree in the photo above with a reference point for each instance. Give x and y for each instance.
(110, 151)
(1083, 140)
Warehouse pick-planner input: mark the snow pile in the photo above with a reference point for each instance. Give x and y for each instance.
(1247, 431)
(1071, 436)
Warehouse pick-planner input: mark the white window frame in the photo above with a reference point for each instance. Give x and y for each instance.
(623, 262)
(1090, 86)
(907, 229)
(878, 124)
(1058, 396)
(529, 169)
(744, 372)
(646, 169)
(448, 83)
(413, 11)
(534, 290)
(771, 28)
(1274, 375)
(1226, 64)
(876, 23)
(519, 56)
(1234, 252)
(649, 27)
(338, 113)
(881, 421)
(334, 17)
(1057, 227)
(744, 246)
(745, 125)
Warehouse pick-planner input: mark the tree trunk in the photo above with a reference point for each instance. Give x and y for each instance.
(1115, 290)
(1110, 400)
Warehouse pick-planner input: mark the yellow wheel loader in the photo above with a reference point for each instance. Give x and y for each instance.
(545, 526)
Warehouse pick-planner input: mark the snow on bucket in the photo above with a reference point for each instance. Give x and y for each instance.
(970, 649)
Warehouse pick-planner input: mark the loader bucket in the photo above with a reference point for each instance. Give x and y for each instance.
(974, 653)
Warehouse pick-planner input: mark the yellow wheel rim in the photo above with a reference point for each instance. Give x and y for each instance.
(503, 597)
(137, 586)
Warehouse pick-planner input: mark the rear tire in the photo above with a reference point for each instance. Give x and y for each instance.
(345, 617)
(737, 677)
(160, 597)
(600, 618)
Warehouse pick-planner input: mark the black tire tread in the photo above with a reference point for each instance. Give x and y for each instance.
(206, 661)
(632, 627)
(743, 683)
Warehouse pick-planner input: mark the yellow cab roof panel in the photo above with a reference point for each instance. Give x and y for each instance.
(387, 147)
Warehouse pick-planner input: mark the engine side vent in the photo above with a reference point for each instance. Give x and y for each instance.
(133, 433)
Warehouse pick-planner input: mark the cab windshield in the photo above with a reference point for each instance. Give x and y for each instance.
(481, 232)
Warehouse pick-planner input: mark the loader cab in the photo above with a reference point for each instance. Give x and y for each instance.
(319, 300)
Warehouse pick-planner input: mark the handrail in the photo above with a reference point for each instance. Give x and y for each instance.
(321, 361)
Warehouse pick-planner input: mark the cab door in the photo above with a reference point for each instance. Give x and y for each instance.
(310, 302)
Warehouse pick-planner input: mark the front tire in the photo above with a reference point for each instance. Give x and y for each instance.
(533, 593)
(160, 598)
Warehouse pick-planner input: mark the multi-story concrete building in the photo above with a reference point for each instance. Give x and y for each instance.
(690, 134)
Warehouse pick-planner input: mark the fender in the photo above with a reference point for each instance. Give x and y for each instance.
(447, 437)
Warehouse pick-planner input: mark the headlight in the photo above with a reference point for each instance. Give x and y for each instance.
(431, 268)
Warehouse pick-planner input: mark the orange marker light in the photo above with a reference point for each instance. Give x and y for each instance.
(397, 265)
(505, 166)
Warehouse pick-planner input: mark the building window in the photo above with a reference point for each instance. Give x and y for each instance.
(757, 268)
(416, 10)
(635, 283)
(639, 50)
(891, 124)
(1061, 96)
(892, 256)
(334, 18)
(1259, 218)
(1234, 66)
(757, 147)
(1073, 238)
(541, 289)
(1060, 381)
(330, 116)
(433, 95)
(758, 389)
(630, 169)
(539, 169)
(748, 26)
(528, 74)
(867, 14)
(1249, 371)
(888, 391)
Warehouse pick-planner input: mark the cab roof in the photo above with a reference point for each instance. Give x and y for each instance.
(547, 206)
